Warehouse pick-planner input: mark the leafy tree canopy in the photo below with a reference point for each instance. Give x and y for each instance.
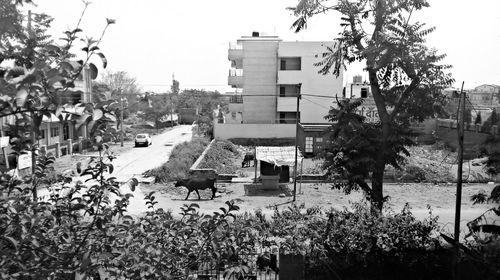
(406, 78)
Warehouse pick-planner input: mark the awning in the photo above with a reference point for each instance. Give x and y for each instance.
(278, 155)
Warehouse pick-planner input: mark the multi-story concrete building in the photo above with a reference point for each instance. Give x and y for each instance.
(270, 75)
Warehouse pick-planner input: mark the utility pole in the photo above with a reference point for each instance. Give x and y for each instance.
(460, 129)
(296, 148)
(121, 118)
(171, 104)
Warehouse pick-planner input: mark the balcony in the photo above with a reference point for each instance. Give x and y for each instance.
(289, 77)
(235, 78)
(287, 104)
(236, 103)
(235, 52)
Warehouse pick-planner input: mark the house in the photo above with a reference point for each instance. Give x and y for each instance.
(55, 134)
(273, 78)
(487, 96)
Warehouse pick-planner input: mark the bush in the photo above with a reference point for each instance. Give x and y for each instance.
(413, 173)
(182, 157)
(222, 157)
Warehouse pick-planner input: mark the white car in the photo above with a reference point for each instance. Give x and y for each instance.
(143, 139)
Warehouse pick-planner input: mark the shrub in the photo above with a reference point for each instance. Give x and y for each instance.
(221, 156)
(182, 157)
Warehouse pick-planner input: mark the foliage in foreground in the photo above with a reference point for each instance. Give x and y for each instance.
(221, 156)
(182, 157)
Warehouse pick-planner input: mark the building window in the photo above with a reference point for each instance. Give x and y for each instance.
(319, 139)
(282, 91)
(54, 131)
(42, 134)
(66, 132)
(364, 92)
(309, 145)
(290, 63)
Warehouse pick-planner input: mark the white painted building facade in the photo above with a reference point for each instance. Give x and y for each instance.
(269, 74)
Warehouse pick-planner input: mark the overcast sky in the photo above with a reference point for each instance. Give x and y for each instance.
(153, 39)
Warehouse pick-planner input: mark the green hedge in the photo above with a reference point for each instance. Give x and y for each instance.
(182, 157)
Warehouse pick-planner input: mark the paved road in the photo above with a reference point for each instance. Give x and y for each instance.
(140, 159)
(134, 162)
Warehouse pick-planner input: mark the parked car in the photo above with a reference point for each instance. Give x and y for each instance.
(143, 139)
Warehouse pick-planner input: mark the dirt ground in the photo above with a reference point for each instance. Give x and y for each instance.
(441, 199)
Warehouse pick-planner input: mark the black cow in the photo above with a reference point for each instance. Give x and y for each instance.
(195, 184)
(249, 157)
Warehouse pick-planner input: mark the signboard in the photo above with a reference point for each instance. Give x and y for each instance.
(4, 141)
(370, 113)
(24, 161)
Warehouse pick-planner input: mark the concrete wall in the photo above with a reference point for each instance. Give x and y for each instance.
(229, 131)
(473, 137)
(259, 78)
(312, 109)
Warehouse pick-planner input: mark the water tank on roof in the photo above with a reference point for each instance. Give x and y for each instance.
(357, 79)
(255, 34)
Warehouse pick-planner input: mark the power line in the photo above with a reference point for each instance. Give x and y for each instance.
(320, 105)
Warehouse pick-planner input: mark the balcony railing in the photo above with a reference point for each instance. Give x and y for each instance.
(235, 72)
(236, 99)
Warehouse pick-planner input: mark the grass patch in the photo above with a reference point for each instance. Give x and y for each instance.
(182, 157)
(222, 157)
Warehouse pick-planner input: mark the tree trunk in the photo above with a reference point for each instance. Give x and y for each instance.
(379, 168)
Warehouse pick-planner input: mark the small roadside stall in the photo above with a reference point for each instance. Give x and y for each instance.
(275, 163)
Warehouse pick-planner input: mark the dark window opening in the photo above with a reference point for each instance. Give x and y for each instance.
(364, 93)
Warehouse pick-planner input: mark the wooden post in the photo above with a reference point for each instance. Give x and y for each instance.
(58, 150)
(80, 144)
(460, 130)
(70, 146)
(255, 163)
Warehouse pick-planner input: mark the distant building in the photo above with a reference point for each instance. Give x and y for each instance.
(270, 74)
(485, 96)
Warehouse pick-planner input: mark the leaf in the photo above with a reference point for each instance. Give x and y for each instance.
(110, 168)
(14, 242)
(110, 117)
(52, 48)
(104, 60)
(93, 71)
(21, 97)
(83, 119)
(66, 65)
(97, 114)
(132, 183)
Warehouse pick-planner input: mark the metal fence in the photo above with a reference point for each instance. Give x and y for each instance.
(214, 269)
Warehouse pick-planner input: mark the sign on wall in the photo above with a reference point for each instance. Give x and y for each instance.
(4, 141)
(370, 113)
(24, 161)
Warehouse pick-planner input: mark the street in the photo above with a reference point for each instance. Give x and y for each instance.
(135, 161)
(139, 159)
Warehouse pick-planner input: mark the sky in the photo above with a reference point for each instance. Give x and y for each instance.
(155, 39)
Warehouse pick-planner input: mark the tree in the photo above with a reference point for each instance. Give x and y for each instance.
(478, 118)
(155, 108)
(405, 79)
(121, 83)
(40, 73)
